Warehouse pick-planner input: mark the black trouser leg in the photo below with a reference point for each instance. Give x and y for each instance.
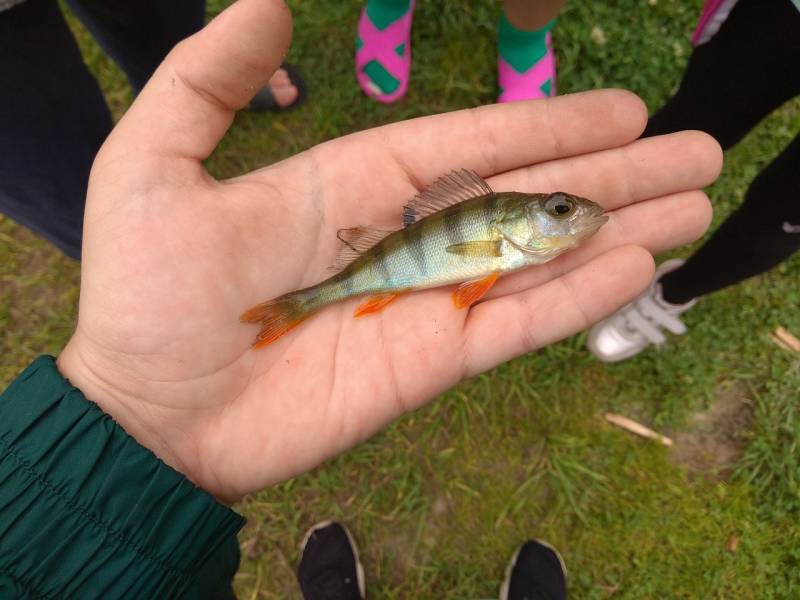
(138, 34)
(749, 68)
(53, 120)
(762, 233)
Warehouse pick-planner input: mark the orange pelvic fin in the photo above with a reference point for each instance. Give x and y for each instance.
(277, 317)
(469, 292)
(374, 304)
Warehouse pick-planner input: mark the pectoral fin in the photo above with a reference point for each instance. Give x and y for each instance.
(480, 249)
(470, 292)
(374, 304)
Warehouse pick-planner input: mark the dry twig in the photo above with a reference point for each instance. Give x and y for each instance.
(785, 340)
(637, 428)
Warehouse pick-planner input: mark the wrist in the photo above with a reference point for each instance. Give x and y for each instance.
(117, 394)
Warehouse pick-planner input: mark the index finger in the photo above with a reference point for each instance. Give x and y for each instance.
(497, 138)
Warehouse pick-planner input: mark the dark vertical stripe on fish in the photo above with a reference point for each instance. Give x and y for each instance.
(452, 224)
(347, 284)
(470, 222)
(380, 263)
(485, 216)
(343, 282)
(413, 239)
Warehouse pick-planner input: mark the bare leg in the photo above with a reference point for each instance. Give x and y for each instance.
(530, 15)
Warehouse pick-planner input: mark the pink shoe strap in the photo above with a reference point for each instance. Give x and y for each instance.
(380, 44)
(516, 85)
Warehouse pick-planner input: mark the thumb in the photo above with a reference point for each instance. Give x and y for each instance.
(189, 103)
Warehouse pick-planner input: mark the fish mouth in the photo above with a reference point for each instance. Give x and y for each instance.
(599, 220)
(594, 221)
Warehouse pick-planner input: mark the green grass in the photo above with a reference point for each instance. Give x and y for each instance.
(439, 500)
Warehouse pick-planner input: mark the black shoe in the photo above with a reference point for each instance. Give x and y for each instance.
(536, 572)
(329, 568)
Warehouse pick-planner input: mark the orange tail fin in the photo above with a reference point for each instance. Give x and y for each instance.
(277, 317)
(374, 303)
(470, 292)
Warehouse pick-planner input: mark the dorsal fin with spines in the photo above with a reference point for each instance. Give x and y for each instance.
(448, 190)
(356, 241)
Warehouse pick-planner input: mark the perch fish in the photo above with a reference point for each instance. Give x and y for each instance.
(456, 231)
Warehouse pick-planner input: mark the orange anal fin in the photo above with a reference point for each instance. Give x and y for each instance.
(469, 292)
(374, 304)
(272, 331)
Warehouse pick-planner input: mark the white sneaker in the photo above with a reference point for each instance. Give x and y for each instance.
(638, 324)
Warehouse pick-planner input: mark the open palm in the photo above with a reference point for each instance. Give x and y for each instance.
(172, 257)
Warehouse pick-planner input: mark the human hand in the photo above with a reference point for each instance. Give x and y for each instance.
(172, 258)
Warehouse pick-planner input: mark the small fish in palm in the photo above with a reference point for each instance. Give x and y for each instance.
(456, 231)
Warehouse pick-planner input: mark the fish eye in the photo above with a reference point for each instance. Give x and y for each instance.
(559, 206)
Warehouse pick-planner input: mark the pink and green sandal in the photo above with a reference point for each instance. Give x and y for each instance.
(383, 53)
(526, 63)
